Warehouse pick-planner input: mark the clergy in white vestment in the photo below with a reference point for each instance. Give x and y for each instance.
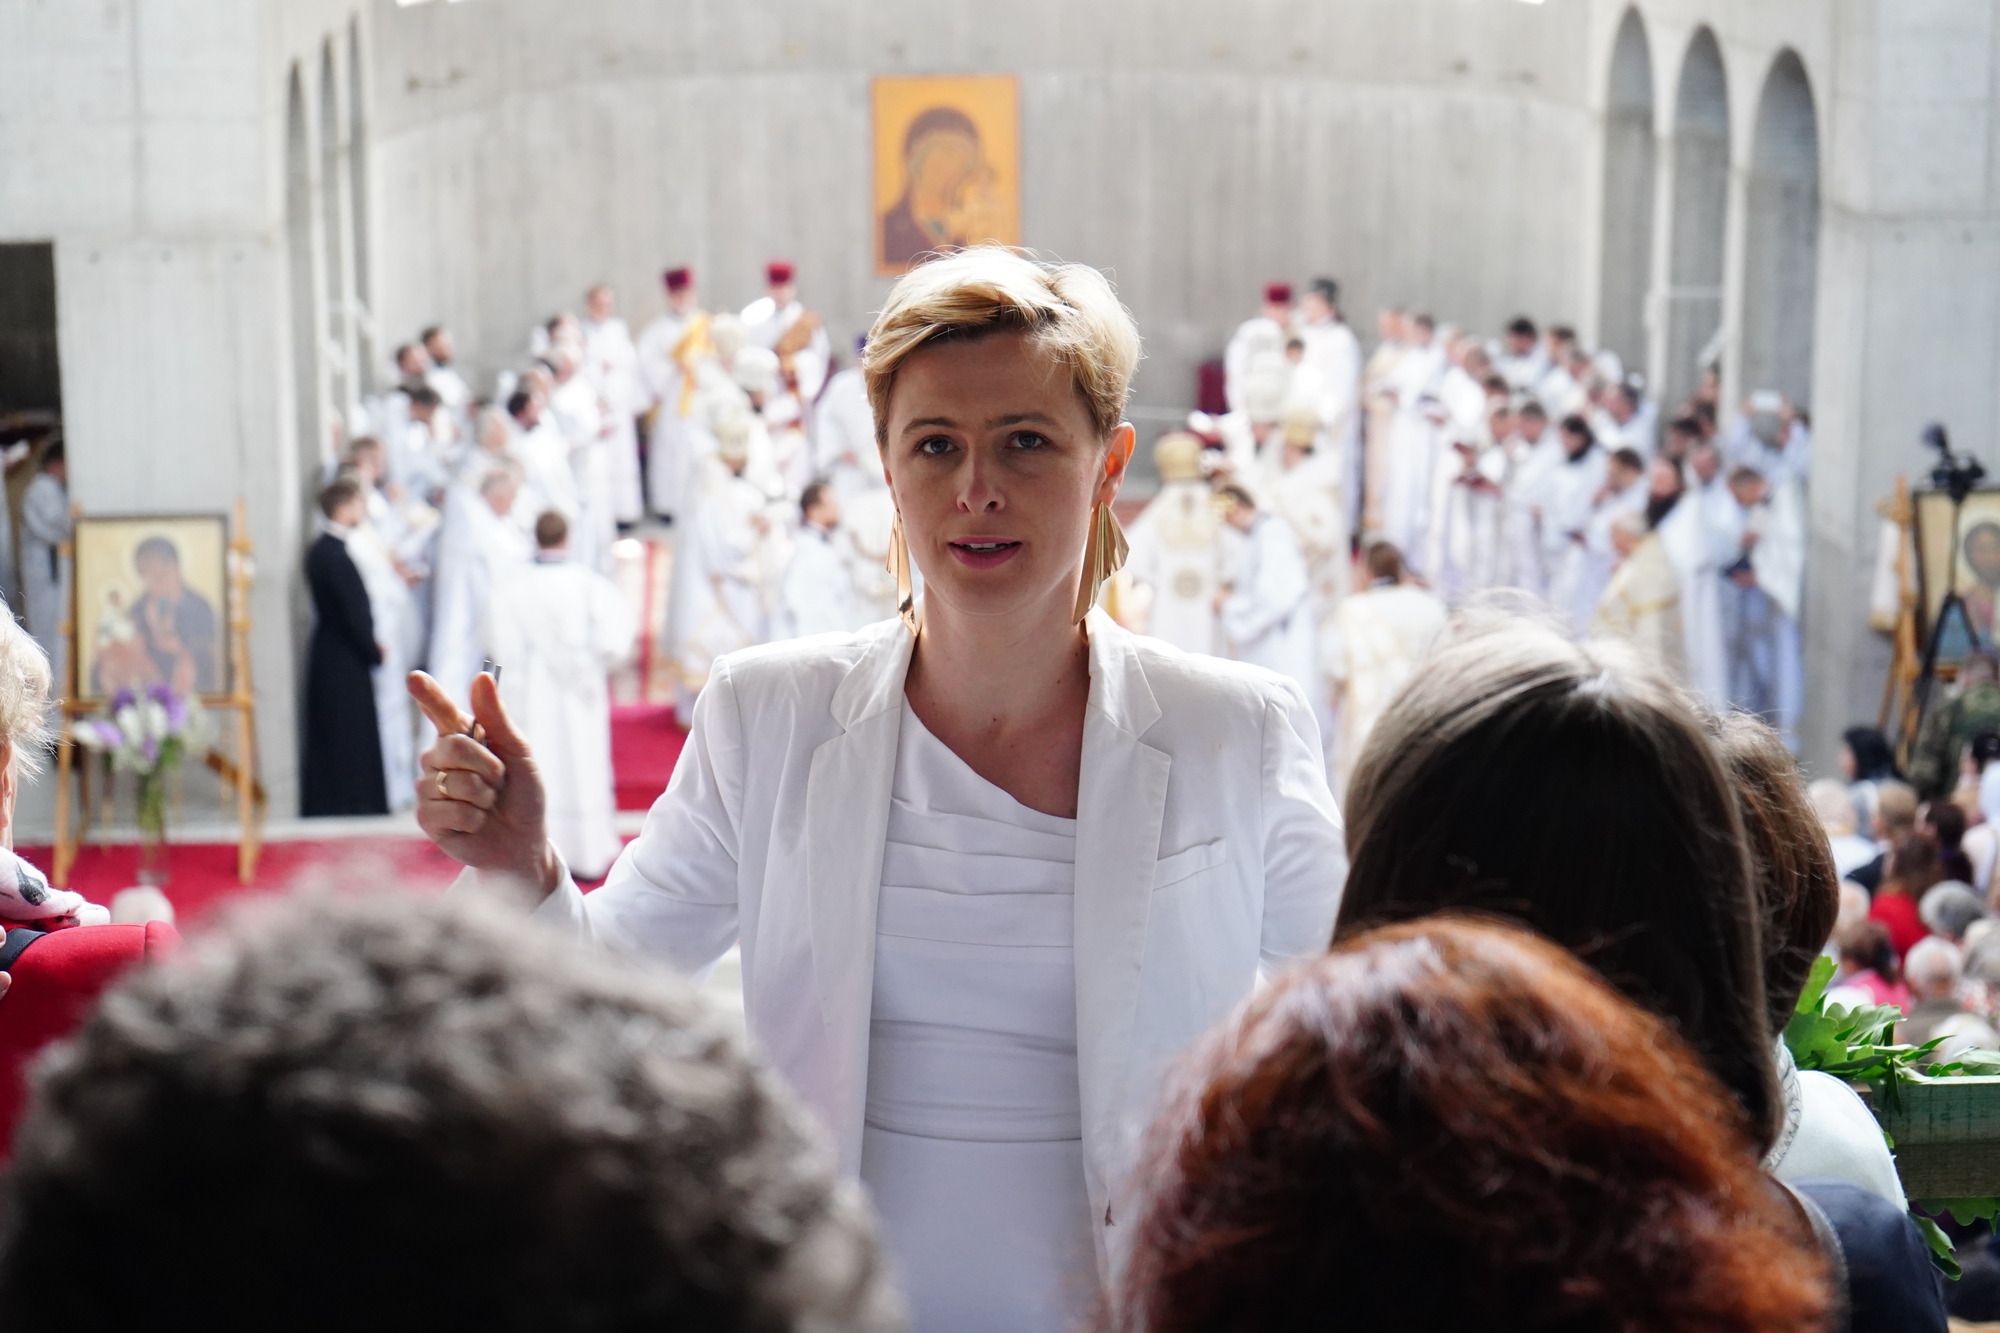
(46, 527)
(1533, 452)
(1700, 548)
(1522, 361)
(1463, 539)
(578, 414)
(1299, 480)
(1385, 630)
(399, 635)
(1770, 436)
(1378, 396)
(1417, 437)
(1334, 353)
(1251, 429)
(481, 543)
(1266, 610)
(1175, 560)
(442, 375)
(817, 593)
(611, 364)
(557, 628)
(1628, 420)
(760, 376)
(1624, 491)
(729, 562)
(1767, 672)
(778, 322)
(1568, 499)
(1260, 334)
(419, 455)
(669, 351)
(1642, 603)
(548, 482)
(844, 433)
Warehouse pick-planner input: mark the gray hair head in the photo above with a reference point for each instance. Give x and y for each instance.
(412, 1114)
(1950, 907)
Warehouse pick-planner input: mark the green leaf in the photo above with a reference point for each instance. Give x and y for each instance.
(1943, 1257)
(1964, 1211)
(1816, 980)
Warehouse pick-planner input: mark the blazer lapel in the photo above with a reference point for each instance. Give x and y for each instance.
(848, 789)
(1121, 802)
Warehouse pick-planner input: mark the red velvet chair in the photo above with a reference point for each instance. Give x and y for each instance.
(57, 978)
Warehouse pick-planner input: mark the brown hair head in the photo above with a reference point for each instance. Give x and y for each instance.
(1570, 788)
(1451, 1125)
(1797, 885)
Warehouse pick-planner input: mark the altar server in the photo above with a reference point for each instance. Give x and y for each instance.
(1266, 609)
(1176, 555)
(1767, 673)
(817, 594)
(1699, 541)
(481, 544)
(844, 433)
(667, 354)
(1385, 631)
(777, 321)
(341, 770)
(46, 527)
(731, 559)
(611, 364)
(1261, 333)
(557, 628)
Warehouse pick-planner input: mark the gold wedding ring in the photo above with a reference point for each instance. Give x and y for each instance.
(443, 795)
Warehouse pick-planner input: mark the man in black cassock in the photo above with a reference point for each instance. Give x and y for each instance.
(342, 773)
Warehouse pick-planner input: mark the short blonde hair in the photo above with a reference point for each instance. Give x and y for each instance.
(1068, 309)
(24, 695)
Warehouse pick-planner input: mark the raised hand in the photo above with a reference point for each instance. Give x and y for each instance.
(479, 796)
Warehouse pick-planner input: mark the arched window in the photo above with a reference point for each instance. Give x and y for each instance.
(1629, 171)
(1781, 235)
(1700, 216)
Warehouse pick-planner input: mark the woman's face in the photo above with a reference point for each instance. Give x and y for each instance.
(995, 465)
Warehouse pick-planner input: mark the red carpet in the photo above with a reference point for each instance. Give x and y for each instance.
(204, 874)
(646, 740)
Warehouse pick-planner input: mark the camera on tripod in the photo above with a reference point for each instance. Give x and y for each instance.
(1958, 475)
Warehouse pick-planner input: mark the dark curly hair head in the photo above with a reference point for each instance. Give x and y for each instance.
(1450, 1125)
(390, 1114)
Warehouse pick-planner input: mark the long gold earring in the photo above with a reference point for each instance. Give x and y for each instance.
(1103, 555)
(898, 564)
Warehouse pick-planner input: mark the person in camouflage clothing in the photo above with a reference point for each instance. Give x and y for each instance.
(1951, 722)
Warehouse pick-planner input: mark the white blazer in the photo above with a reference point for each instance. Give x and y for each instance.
(1207, 843)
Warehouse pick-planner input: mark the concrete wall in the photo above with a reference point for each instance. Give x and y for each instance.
(1419, 153)
(143, 140)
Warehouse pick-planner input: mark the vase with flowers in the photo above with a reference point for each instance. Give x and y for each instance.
(147, 733)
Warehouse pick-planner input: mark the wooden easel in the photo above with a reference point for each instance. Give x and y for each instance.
(241, 701)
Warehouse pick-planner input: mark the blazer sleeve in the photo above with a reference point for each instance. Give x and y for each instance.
(1305, 848)
(671, 897)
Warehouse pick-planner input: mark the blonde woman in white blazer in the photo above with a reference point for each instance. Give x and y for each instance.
(992, 866)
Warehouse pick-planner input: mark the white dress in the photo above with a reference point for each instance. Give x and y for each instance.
(972, 1148)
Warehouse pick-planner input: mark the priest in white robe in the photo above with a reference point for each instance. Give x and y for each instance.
(1521, 359)
(1385, 630)
(557, 628)
(1533, 452)
(1642, 602)
(399, 634)
(1264, 332)
(1378, 398)
(1266, 610)
(1175, 563)
(817, 593)
(669, 350)
(442, 373)
(729, 563)
(1568, 501)
(1699, 543)
(578, 414)
(777, 321)
(481, 544)
(844, 434)
(1767, 671)
(611, 364)
(46, 527)
(1334, 353)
